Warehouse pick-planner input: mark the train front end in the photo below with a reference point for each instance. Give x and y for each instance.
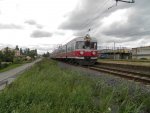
(86, 51)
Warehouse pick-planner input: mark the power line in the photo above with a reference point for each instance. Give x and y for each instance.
(89, 21)
(121, 1)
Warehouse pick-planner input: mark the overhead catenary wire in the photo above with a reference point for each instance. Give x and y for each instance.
(98, 7)
(90, 21)
(98, 15)
(128, 33)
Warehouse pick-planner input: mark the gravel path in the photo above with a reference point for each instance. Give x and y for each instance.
(8, 76)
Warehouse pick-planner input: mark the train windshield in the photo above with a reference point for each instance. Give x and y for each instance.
(86, 45)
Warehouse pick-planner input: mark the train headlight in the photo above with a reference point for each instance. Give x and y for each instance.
(94, 53)
(81, 52)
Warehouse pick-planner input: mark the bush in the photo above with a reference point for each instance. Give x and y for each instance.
(4, 65)
(17, 60)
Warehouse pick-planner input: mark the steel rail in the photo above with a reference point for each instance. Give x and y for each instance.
(140, 77)
(115, 71)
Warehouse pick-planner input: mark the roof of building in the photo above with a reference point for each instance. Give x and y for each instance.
(141, 47)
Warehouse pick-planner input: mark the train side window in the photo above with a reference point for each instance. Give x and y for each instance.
(79, 45)
(69, 48)
(72, 47)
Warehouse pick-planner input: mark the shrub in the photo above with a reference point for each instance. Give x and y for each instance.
(4, 65)
(17, 60)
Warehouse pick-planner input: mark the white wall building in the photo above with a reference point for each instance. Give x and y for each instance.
(141, 52)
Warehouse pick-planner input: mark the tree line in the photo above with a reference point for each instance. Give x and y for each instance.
(8, 55)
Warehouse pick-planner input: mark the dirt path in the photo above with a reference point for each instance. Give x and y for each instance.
(9, 76)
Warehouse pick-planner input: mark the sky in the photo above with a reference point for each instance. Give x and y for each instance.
(45, 24)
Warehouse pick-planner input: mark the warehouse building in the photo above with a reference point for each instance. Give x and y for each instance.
(141, 52)
(115, 54)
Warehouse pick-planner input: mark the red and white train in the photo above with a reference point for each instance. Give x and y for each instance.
(81, 50)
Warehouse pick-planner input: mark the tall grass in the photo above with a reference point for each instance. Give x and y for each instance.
(48, 89)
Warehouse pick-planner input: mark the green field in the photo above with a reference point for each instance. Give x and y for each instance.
(46, 88)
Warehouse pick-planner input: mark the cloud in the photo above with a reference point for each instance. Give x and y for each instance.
(32, 22)
(10, 26)
(59, 33)
(44, 47)
(40, 34)
(84, 15)
(137, 25)
(131, 25)
(2, 45)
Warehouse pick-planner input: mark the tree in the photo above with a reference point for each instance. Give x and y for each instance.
(8, 55)
(17, 48)
(32, 53)
(27, 51)
(21, 52)
(46, 54)
(1, 57)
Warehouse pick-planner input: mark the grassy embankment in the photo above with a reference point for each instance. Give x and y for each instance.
(48, 89)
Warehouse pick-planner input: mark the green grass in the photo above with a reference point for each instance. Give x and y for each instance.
(48, 89)
(11, 66)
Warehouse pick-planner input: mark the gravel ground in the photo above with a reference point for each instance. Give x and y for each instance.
(109, 79)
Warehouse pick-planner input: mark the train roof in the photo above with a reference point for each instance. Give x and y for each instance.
(81, 38)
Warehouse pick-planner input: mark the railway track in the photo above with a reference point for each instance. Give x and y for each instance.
(130, 74)
(124, 73)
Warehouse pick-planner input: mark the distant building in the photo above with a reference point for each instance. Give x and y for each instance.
(141, 52)
(17, 53)
(115, 54)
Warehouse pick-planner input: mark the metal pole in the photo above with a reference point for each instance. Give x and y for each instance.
(114, 51)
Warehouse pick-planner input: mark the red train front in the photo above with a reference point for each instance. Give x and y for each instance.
(81, 50)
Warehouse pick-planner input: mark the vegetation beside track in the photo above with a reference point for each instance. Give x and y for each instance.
(48, 89)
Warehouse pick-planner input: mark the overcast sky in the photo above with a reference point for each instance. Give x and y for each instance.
(42, 24)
